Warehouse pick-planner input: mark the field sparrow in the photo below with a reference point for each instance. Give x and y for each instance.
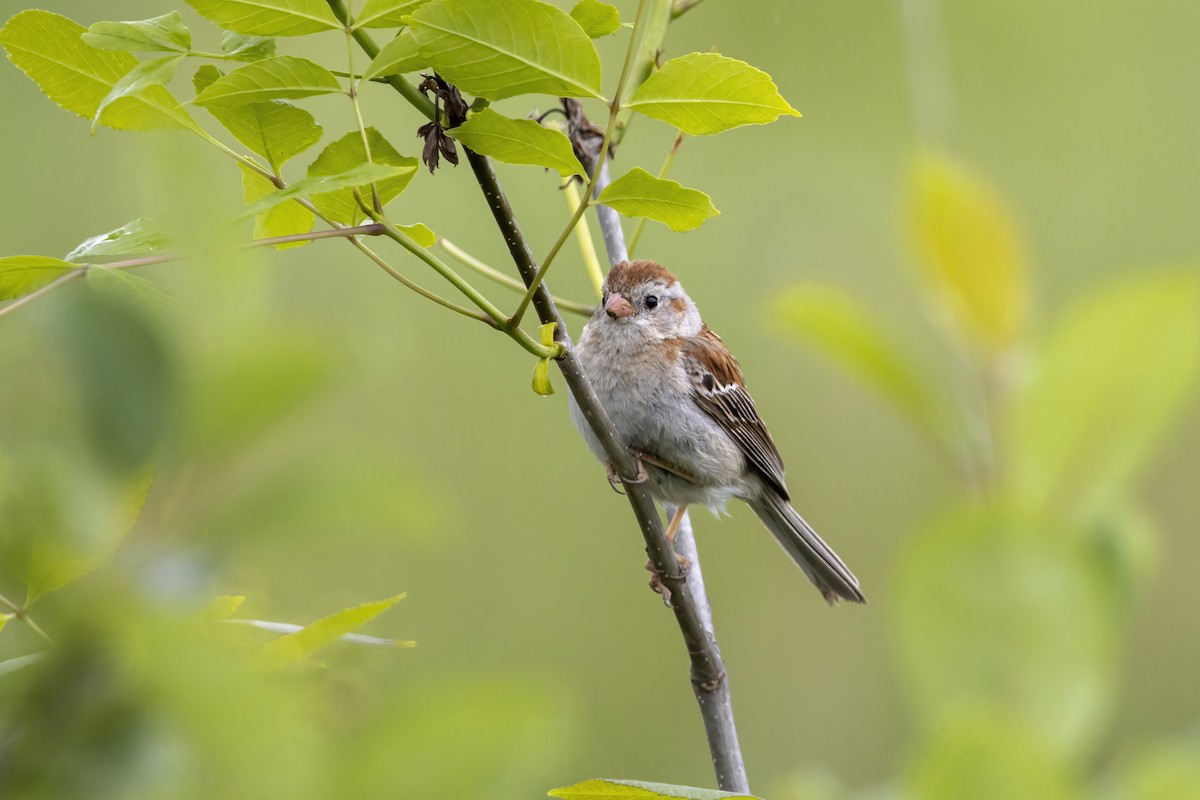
(677, 399)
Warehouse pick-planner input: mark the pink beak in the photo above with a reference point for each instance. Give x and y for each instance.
(618, 307)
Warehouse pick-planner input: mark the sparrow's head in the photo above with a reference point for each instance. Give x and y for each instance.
(642, 296)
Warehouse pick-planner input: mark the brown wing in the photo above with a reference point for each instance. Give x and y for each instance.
(718, 388)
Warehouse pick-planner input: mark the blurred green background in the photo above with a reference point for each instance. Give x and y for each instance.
(325, 438)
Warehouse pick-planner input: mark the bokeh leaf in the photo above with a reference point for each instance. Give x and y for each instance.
(122, 283)
(276, 78)
(47, 47)
(498, 48)
(846, 332)
(280, 220)
(164, 34)
(1112, 375)
(298, 646)
(597, 19)
(348, 155)
(1169, 771)
(138, 237)
(704, 93)
(20, 275)
(995, 613)
(968, 249)
(988, 757)
(385, 13)
(397, 56)
(518, 141)
(637, 193)
(610, 789)
(269, 17)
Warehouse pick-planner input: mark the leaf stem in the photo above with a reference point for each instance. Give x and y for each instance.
(587, 247)
(634, 40)
(358, 116)
(493, 274)
(662, 173)
(23, 615)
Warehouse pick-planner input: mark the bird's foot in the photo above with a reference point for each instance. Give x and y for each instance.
(615, 480)
(656, 581)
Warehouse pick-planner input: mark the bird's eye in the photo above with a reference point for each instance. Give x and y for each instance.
(651, 301)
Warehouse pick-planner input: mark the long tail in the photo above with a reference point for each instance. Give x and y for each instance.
(817, 559)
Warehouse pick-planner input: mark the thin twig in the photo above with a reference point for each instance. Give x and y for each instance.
(495, 275)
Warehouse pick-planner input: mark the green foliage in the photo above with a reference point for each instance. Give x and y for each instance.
(138, 237)
(304, 643)
(398, 55)
(282, 219)
(274, 129)
(704, 93)
(386, 13)
(164, 34)
(282, 77)
(518, 141)
(597, 19)
(637, 193)
(495, 48)
(341, 161)
(48, 48)
(241, 47)
(145, 76)
(606, 789)
(20, 275)
(268, 17)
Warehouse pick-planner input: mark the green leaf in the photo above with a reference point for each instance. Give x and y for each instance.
(705, 93)
(20, 275)
(608, 789)
(421, 234)
(989, 757)
(273, 129)
(123, 283)
(397, 56)
(247, 48)
(4, 618)
(347, 154)
(224, 606)
(518, 141)
(846, 332)
(502, 48)
(637, 193)
(146, 75)
(48, 48)
(996, 612)
(362, 175)
(205, 77)
(386, 13)
(138, 237)
(300, 645)
(968, 249)
(280, 220)
(270, 79)
(269, 17)
(597, 19)
(541, 378)
(165, 33)
(1114, 372)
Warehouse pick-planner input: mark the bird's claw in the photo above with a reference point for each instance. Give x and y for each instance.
(656, 581)
(615, 480)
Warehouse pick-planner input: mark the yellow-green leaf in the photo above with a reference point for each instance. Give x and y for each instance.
(637, 193)
(138, 237)
(145, 76)
(541, 377)
(20, 275)
(347, 154)
(609, 789)
(386, 13)
(421, 234)
(283, 219)
(165, 34)
(703, 93)
(968, 249)
(362, 175)
(269, 17)
(597, 19)
(300, 645)
(274, 129)
(241, 47)
(397, 56)
(518, 141)
(282, 77)
(47, 47)
(503, 48)
(224, 606)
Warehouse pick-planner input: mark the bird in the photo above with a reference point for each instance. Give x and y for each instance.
(678, 401)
